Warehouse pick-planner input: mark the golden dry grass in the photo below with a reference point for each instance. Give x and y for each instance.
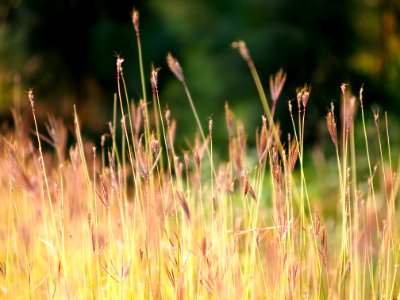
(136, 219)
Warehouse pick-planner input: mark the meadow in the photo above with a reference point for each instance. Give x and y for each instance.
(137, 218)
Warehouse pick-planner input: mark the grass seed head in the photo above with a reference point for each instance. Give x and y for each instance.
(154, 80)
(262, 142)
(298, 96)
(343, 88)
(105, 196)
(229, 120)
(331, 124)
(293, 154)
(113, 173)
(175, 67)
(155, 146)
(31, 98)
(243, 50)
(276, 84)
(111, 129)
(303, 95)
(350, 112)
(135, 20)
(103, 140)
(290, 108)
(119, 66)
(171, 134)
(247, 188)
(361, 95)
(183, 203)
(276, 167)
(376, 117)
(14, 167)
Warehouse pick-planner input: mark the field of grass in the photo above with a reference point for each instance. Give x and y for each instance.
(137, 219)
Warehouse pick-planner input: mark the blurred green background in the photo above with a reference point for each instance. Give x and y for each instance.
(66, 49)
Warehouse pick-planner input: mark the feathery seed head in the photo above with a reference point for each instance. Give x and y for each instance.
(293, 154)
(105, 196)
(276, 84)
(155, 147)
(111, 128)
(290, 107)
(302, 95)
(361, 95)
(31, 98)
(154, 79)
(135, 20)
(175, 67)
(331, 124)
(304, 98)
(229, 119)
(350, 111)
(103, 140)
(119, 66)
(183, 203)
(298, 96)
(343, 88)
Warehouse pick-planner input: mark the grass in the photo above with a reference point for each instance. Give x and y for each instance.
(138, 219)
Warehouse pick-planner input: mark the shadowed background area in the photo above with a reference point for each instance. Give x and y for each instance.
(65, 50)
